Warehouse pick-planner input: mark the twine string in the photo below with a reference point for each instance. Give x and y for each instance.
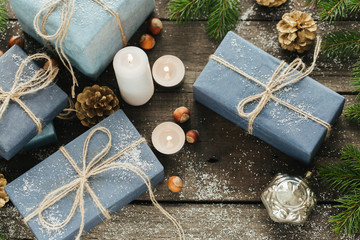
(282, 77)
(95, 166)
(67, 12)
(40, 80)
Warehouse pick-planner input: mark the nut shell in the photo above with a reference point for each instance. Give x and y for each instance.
(147, 41)
(181, 114)
(175, 184)
(1, 53)
(192, 136)
(155, 26)
(18, 40)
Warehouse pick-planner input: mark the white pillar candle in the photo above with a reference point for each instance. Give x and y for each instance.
(168, 138)
(133, 75)
(168, 71)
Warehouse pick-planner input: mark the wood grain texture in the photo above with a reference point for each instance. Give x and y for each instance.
(226, 171)
(205, 221)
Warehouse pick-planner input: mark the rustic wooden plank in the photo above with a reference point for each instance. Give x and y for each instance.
(199, 221)
(191, 44)
(226, 165)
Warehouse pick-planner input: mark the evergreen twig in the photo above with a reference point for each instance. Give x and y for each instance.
(222, 15)
(355, 78)
(3, 15)
(353, 112)
(343, 43)
(334, 10)
(344, 177)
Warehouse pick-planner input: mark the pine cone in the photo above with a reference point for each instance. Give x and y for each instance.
(297, 31)
(4, 198)
(94, 104)
(271, 3)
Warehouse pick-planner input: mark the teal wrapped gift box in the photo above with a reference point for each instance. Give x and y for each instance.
(221, 89)
(93, 36)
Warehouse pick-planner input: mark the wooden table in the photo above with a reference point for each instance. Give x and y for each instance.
(225, 173)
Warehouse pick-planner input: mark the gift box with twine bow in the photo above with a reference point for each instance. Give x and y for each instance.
(272, 100)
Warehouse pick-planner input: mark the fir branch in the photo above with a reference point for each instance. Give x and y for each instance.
(183, 11)
(3, 15)
(344, 177)
(355, 78)
(2, 236)
(224, 15)
(342, 43)
(353, 112)
(348, 221)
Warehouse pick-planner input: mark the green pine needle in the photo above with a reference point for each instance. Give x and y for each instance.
(348, 221)
(222, 15)
(183, 11)
(355, 78)
(332, 9)
(3, 15)
(344, 177)
(342, 43)
(2, 236)
(353, 112)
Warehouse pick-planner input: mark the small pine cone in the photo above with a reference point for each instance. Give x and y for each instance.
(271, 3)
(297, 31)
(94, 104)
(4, 198)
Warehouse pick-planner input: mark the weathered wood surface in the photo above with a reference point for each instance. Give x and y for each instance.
(226, 171)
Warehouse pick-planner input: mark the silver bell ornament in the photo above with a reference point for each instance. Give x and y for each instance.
(289, 199)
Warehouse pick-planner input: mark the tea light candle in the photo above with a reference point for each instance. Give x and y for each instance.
(168, 71)
(168, 138)
(132, 70)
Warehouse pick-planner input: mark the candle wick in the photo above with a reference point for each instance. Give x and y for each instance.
(130, 58)
(167, 72)
(169, 143)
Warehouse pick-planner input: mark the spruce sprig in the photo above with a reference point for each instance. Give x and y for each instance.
(334, 10)
(344, 177)
(355, 78)
(353, 112)
(343, 43)
(3, 15)
(222, 15)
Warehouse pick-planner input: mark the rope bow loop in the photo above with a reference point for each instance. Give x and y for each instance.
(95, 166)
(40, 80)
(67, 12)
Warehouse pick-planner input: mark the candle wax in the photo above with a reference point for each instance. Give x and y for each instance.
(168, 138)
(168, 71)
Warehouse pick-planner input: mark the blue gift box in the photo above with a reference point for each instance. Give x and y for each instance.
(221, 89)
(46, 137)
(114, 188)
(16, 127)
(94, 36)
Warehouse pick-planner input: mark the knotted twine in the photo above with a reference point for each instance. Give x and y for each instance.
(79, 184)
(282, 77)
(39, 81)
(67, 12)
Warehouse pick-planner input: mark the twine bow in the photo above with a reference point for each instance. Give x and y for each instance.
(67, 12)
(80, 184)
(282, 77)
(39, 81)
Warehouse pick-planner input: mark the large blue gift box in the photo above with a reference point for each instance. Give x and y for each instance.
(221, 89)
(94, 36)
(114, 188)
(16, 127)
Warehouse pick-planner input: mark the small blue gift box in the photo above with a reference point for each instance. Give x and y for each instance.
(114, 188)
(16, 127)
(46, 137)
(221, 89)
(94, 36)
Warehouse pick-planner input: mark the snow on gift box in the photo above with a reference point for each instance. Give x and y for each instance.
(23, 108)
(294, 119)
(119, 167)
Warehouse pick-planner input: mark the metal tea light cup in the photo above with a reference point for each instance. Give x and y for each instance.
(288, 199)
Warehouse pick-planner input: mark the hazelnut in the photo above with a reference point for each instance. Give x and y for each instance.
(192, 136)
(18, 40)
(155, 26)
(147, 41)
(54, 64)
(1, 53)
(175, 184)
(181, 114)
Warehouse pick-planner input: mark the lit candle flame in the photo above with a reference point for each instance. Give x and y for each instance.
(130, 58)
(166, 69)
(167, 72)
(169, 143)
